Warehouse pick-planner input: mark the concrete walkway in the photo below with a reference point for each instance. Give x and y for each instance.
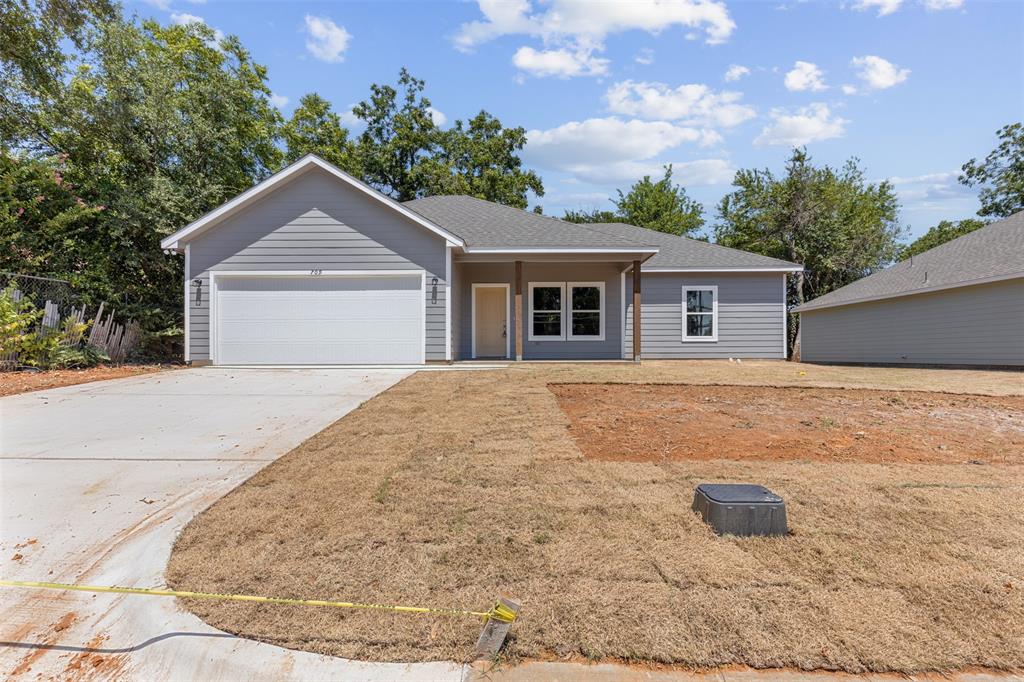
(97, 480)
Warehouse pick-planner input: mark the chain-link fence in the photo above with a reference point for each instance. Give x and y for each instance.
(40, 289)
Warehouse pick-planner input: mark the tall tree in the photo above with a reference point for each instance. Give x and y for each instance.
(832, 221)
(315, 129)
(661, 206)
(946, 230)
(481, 158)
(159, 126)
(395, 150)
(1001, 175)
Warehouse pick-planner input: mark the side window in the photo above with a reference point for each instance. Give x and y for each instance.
(586, 310)
(546, 310)
(700, 313)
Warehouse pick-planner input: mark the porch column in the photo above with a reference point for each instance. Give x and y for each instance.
(519, 311)
(636, 311)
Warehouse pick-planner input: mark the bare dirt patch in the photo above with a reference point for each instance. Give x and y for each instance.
(453, 487)
(12, 383)
(644, 422)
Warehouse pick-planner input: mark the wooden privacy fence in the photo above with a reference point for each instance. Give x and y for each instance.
(113, 339)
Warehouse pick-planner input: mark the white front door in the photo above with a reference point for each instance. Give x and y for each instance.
(490, 321)
(322, 320)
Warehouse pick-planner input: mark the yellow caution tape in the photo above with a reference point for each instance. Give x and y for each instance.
(498, 612)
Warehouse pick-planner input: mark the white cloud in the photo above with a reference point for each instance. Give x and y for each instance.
(184, 19)
(350, 120)
(805, 76)
(560, 63)
(693, 103)
(939, 5)
(934, 191)
(736, 72)
(645, 56)
(699, 173)
(437, 116)
(849, 89)
(608, 149)
(279, 101)
(587, 24)
(877, 73)
(884, 7)
(327, 41)
(159, 4)
(808, 124)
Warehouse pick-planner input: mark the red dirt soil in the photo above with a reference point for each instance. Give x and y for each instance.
(12, 383)
(649, 422)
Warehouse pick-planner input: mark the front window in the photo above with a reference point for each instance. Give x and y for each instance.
(546, 310)
(587, 304)
(562, 311)
(700, 314)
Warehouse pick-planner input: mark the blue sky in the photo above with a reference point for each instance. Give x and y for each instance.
(610, 91)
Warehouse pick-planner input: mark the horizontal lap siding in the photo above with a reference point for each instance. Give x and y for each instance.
(317, 222)
(749, 321)
(499, 273)
(976, 325)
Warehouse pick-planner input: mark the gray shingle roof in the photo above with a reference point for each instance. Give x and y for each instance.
(995, 251)
(485, 224)
(683, 252)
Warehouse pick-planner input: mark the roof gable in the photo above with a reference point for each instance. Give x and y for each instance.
(281, 178)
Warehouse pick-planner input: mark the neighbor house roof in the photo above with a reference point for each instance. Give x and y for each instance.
(487, 226)
(990, 254)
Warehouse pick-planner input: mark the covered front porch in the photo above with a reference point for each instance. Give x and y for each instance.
(548, 305)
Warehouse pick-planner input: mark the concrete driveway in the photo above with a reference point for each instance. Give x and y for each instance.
(97, 480)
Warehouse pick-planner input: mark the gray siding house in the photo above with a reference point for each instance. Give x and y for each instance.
(312, 267)
(961, 303)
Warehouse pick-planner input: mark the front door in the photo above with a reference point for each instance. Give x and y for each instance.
(490, 321)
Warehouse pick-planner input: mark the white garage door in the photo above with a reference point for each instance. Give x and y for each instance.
(324, 320)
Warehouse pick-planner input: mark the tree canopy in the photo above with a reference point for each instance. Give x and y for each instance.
(657, 205)
(945, 231)
(1000, 176)
(832, 221)
(314, 128)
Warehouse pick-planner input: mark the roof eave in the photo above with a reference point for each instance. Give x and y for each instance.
(809, 307)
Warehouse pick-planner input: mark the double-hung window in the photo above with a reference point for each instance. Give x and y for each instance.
(561, 311)
(700, 313)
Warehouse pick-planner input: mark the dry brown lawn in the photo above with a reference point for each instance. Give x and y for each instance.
(453, 487)
(13, 383)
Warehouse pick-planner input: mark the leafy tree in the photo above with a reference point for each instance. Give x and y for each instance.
(945, 231)
(661, 206)
(1001, 175)
(832, 221)
(395, 150)
(592, 216)
(480, 158)
(33, 64)
(315, 129)
(159, 125)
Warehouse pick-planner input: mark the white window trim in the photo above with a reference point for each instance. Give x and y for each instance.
(714, 313)
(567, 323)
(529, 318)
(508, 330)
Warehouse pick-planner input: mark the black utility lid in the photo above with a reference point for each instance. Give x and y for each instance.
(738, 493)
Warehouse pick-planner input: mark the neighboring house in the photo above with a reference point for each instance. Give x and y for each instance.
(313, 267)
(961, 303)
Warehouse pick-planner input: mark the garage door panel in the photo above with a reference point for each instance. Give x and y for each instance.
(319, 320)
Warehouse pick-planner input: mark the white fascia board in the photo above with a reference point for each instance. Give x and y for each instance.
(810, 308)
(788, 268)
(558, 249)
(297, 168)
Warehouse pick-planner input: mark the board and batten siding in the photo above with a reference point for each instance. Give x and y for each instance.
(316, 222)
(750, 316)
(981, 324)
(504, 273)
